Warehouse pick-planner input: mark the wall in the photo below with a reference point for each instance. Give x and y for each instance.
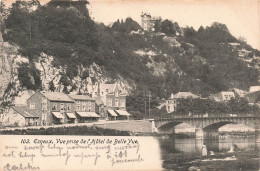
(84, 103)
(120, 98)
(15, 118)
(143, 126)
(58, 109)
(37, 99)
(171, 105)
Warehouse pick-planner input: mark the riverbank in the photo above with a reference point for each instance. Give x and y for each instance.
(241, 160)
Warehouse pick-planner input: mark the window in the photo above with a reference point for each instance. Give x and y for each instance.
(226, 96)
(122, 102)
(116, 93)
(44, 100)
(44, 118)
(84, 108)
(44, 106)
(116, 102)
(78, 102)
(68, 106)
(54, 106)
(61, 106)
(109, 102)
(89, 108)
(78, 107)
(32, 105)
(84, 102)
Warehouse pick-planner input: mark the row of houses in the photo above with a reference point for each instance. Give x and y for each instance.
(253, 97)
(49, 108)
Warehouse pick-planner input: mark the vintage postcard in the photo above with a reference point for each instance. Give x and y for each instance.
(129, 85)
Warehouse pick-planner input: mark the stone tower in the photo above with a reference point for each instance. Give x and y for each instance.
(148, 21)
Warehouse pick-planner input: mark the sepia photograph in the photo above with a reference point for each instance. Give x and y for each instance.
(129, 85)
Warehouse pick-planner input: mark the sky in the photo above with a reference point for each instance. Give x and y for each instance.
(242, 17)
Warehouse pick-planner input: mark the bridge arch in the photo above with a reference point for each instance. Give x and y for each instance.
(208, 126)
(217, 125)
(168, 125)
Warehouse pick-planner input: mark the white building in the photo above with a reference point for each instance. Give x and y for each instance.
(254, 89)
(171, 103)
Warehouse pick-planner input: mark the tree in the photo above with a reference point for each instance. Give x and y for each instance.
(131, 24)
(125, 27)
(136, 101)
(157, 25)
(29, 77)
(3, 8)
(189, 32)
(167, 28)
(51, 86)
(201, 30)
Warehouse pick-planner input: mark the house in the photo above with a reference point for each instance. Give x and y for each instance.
(171, 103)
(239, 92)
(52, 107)
(100, 108)
(115, 100)
(21, 116)
(148, 21)
(115, 96)
(84, 108)
(222, 96)
(254, 89)
(253, 97)
(111, 97)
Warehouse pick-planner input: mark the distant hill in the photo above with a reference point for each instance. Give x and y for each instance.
(63, 49)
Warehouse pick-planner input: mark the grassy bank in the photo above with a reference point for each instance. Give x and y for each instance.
(75, 130)
(246, 160)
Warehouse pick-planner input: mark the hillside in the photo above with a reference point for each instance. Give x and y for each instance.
(58, 47)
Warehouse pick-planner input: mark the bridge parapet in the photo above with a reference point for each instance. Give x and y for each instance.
(229, 115)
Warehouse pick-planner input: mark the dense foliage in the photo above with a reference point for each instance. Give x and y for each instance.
(204, 63)
(29, 77)
(203, 106)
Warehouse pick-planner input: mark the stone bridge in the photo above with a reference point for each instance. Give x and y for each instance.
(207, 126)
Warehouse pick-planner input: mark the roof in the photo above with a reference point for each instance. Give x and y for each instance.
(109, 87)
(81, 97)
(98, 100)
(254, 88)
(253, 97)
(57, 96)
(58, 115)
(227, 92)
(222, 93)
(123, 112)
(112, 112)
(183, 95)
(88, 114)
(71, 115)
(25, 112)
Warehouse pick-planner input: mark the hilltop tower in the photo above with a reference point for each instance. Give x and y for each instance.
(148, 21)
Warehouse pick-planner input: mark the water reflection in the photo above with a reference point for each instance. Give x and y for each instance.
(194, 147)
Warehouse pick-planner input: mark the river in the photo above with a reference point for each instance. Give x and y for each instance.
(176, 153)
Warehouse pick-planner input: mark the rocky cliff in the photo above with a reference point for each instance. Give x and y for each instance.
(58, 47)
